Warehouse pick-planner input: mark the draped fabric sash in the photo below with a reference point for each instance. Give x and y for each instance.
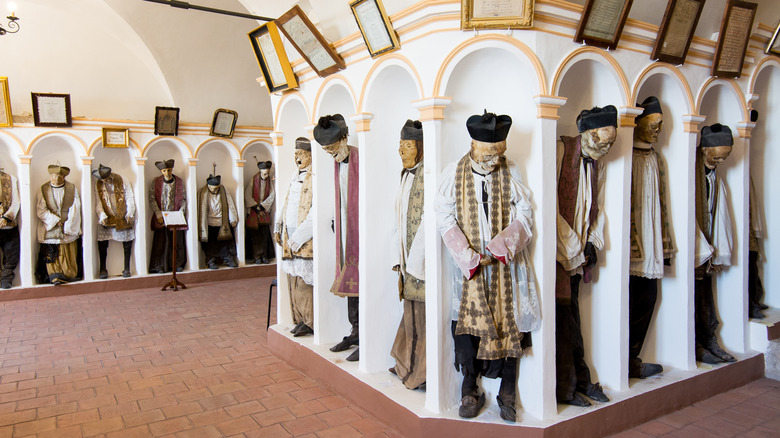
(63, 212)
(346, 282)
(256, 218)
(178, 198)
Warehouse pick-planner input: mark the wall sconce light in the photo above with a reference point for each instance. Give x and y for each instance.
(12, 25)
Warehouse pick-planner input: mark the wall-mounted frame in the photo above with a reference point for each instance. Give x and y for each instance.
(272, 58)
(677, 29)
(602, 23)
(166, 120)
(314, 48)
(733, 39)
(51, 110)
(492, 14)
(773, 48)
(6, 117)
(224, 123)
(116, 137)
(375, 26)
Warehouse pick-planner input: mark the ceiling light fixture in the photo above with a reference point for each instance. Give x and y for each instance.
(185, 5)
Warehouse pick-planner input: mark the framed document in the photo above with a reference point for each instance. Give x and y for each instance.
(166, 120)
(224, 123)
(175, 217)
(772, 48)
(733, 39)
(377, 31)
(493, 14)
(677, 29)
(116, 138)
(272, 58)
(602, 23)
(51, 110)
(297, 27)
(6, 119)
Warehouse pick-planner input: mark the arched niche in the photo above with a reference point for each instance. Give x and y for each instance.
(55, 148)
(122, 162)
(388, 99)
(662, 343)
(9, 163)
(256, 152)
(502, 80)
(764, 156)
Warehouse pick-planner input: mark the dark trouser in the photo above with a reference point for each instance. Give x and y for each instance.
(162, 251)
(642, 296)
(127, 247)
(353, 313)
(9, 241)
(262, 243)
(705, 313)
(466, 347)
(219, 249)
(572, 373)
(755, 288)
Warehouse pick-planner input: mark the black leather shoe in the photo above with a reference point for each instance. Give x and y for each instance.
(347, 342)
(5, 284)
(212, 264)
(755, 313)
(355, 356)
(762, 306)
(303, 331)
(715, 349)
(297, 327)
(470, 406)
(705, 356)
(126, 273)
(595, 392)
(578, 400)
(508, 411)
(645, 370)
(231, 263)
(103, 274)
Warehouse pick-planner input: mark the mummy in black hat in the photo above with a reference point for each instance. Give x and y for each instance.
(259, 197)
(217, 217)
(598, 129)
(713, 238)
(652, 245)
(485, 218)
(115, 210)
(331, 133)
(293, 231)
(59, 227)
(167, 192)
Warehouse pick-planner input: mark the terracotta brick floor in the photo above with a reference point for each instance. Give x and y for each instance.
(194, 363)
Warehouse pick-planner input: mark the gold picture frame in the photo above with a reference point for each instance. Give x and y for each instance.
(492, 14)
(272, 58)
(677, 29)
(375, 26)
(733, 39)
(773, 47)
(116, 137)
(6, 117)
(224, 123)
(309, 42)
(602, 23)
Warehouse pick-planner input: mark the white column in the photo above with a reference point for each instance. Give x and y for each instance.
(241, 228)
(283, 177)
(437, 313)
(28, 222)
(88, 219)
(141, 219)
(193, 245)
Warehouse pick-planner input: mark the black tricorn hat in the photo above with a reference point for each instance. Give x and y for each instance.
(753, 116)
(102, 172)
(596, 117)
(489, 127)
(330, 129)
(303, 144)
(167, 164)
(412, 130)
(213, 180)
(264, 165)
(60, 170)
(716, 135)
(651, 105)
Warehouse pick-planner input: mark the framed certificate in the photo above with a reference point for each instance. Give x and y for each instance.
(272, 58)
(602, 23)
(772, 48)
(733, 39)
(377, 31)
(297, 27)
(223, 123)
(51, 110)
(166, 120)
(677, 29)
(6, 119)
(116, 138)
(496, 14)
